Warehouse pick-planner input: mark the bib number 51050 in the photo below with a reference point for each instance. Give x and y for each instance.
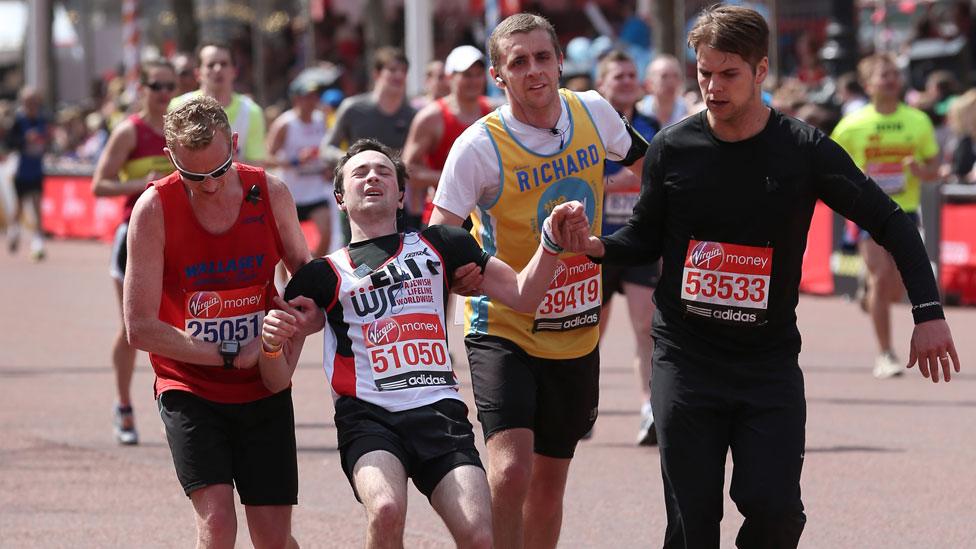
(408, 354)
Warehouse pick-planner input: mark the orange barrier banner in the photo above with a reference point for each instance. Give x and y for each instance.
(817, 277)
(70, 210)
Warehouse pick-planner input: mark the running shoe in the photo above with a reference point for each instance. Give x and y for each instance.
(125, 426)
(646, 435)
(37, 249)
(887, 365)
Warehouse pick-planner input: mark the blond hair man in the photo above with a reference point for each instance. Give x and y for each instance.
(203, 243)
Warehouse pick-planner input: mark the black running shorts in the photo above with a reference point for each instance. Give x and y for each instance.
(251, 445)
(557, 399)
(430, 441)
(27, 186)
(614, 277)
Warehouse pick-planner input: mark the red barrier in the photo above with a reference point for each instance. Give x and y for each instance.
(70, 210)
(817, 277)
(958, 252)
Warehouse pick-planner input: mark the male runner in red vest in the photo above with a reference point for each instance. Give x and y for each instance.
(203, 244)
(438, 125)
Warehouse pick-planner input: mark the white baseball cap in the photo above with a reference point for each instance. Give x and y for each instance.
(461, 58)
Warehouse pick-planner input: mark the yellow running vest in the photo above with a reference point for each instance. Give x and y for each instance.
(566, 324)
(879, 144)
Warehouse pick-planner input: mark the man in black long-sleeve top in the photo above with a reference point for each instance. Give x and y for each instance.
(726, 200)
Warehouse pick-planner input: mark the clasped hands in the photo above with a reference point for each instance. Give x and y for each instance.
(570, 229)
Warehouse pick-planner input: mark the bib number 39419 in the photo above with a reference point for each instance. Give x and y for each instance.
(727, 283)
(573, 299)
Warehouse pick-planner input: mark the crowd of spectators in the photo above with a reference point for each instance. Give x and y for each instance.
(807, 91)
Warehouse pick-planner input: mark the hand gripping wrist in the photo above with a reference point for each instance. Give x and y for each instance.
(268, 347)
(549, 244)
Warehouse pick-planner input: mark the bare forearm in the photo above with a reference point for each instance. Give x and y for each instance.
(522, 291)
(157, 337)
(109, 187)
(422, 176)
(534, 280)
(277, 372)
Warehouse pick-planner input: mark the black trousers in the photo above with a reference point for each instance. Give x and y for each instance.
(703, 408)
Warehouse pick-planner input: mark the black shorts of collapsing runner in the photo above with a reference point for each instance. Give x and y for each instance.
(614, 277)
(556, 399)
(250, 445)
(305, 210)
(430, 441)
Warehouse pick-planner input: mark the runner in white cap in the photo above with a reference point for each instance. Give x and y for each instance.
(438, 125)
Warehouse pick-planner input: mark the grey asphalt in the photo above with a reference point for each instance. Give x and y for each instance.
(888, 463)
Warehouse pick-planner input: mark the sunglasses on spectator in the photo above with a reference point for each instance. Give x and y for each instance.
(198, 177)
(160, 86)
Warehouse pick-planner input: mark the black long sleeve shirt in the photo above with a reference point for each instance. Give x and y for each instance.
(757, 192)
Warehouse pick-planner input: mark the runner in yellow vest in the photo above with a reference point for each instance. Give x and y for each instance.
(535, 376)
(895, 145)
(217, 72)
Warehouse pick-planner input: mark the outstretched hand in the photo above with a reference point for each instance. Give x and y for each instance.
(932, 347)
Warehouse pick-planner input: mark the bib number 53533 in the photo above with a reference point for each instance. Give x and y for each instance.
(727, 283)
(739, 288)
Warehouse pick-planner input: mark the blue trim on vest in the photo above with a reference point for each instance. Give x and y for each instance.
(501, 167)
(479, 305)
(572, 129)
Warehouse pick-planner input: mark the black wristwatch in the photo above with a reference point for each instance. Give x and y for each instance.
(229, 350)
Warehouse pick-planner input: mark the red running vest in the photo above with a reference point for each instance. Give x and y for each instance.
(453, 128)
(216, 287)
(149, 145)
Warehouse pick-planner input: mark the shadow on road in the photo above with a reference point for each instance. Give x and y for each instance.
(853, 449)
(899, 402)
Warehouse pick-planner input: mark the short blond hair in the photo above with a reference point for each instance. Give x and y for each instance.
(523, 23)
(194, 124)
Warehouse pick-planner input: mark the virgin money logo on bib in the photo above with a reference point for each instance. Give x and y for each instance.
(560, 276)
(204, 305)
(383, 332)
(707, 255)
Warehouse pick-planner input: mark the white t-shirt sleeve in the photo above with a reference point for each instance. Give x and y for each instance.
(608, 123)
(471, 173)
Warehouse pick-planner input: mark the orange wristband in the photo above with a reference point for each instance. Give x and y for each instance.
(272, 354)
